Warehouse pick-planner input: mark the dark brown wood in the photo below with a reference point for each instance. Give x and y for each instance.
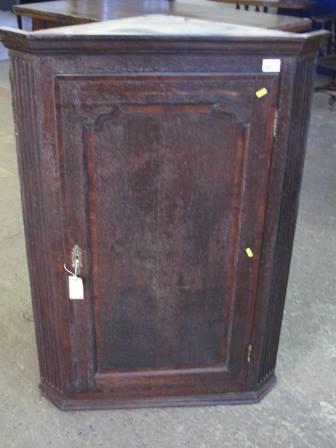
(71, 12)
(167, 208)
(155, 156)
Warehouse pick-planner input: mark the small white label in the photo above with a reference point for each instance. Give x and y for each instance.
(271, 65)
(76, 288)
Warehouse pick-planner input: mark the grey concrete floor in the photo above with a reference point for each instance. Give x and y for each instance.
(299, 412)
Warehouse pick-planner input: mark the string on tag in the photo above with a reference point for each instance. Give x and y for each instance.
(74, 274)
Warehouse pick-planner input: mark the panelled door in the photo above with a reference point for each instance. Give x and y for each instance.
(164, 187)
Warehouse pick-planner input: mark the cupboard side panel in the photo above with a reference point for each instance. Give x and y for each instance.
(298, 131)
(27, 127)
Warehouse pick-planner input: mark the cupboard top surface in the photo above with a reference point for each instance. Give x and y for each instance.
(159, 33)
(158, 24)
(152, 32)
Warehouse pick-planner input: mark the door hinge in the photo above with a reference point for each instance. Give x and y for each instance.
(275, 123)
(249, 352)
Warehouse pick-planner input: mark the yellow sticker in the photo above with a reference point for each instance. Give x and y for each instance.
(261, 92)
(249, 252)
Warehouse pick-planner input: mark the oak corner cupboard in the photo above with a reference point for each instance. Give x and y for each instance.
(160, 161)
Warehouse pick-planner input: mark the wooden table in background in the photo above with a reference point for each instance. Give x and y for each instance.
(288, 4)
(72, 12)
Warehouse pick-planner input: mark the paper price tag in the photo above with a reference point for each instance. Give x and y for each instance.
(271, 65)
(76, 288)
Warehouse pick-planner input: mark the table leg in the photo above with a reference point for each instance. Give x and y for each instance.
(19, 22)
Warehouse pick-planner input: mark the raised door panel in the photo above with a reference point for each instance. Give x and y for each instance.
(164, 185)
